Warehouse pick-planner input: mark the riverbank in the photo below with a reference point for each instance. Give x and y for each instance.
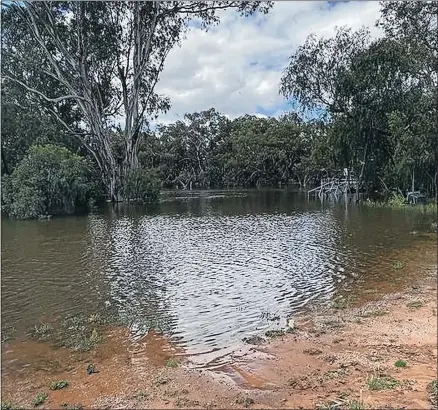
(341, 358)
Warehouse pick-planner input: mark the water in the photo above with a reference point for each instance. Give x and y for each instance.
(204, 268)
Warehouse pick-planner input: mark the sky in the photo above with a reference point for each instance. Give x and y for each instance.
(236, 66)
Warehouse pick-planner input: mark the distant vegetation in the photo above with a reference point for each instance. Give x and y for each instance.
(373, 104)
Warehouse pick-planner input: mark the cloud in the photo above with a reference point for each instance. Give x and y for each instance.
(236, 66)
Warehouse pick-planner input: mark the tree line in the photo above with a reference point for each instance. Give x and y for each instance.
(373, 104)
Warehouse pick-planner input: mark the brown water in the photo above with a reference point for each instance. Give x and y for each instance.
(203, 268)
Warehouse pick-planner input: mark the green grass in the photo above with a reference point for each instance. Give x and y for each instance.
(41, 331)
(356, 405)
(414, 304)
(397, 202)
(7, 405)
(274, 333)
(398, 265)
(342, 303)
(172, 363)
(381, 383)
(400, 363)
(40, 399)
(433, 393)
(58, 385)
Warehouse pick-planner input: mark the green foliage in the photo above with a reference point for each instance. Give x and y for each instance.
(433, 392)
(172, 363)
(415, 304)
(381, 383)
(141, 185)
(356, 405)
(42, 331)
(40, 399)
(396, 201)
(6, 405)
(398, 265)
(341, 302)
(400, 363)
(49, 180)
(274, 333)
(58, 385)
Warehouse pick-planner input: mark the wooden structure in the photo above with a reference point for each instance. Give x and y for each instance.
(335, 187)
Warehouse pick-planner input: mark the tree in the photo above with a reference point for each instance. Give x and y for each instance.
(103, 60)
(49, 180)
(372, 93)
(191, 149)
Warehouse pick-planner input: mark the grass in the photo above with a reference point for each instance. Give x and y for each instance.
(373, 313)
(161, 379)
(433, 393)
(58, 385)
(172, 363)
(77, 406)
(356, 405)
(397, 202)
(398, 265)
(381, 383)
(41, 331)
(140, 394)
(415, 304)
(400, 363)
(40, 399)
(274, 333)
(244, 400)
(342, 303)
(7, 405)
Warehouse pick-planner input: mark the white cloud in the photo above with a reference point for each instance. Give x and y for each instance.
(236, 66)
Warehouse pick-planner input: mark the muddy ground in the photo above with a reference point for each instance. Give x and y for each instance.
(342, 358)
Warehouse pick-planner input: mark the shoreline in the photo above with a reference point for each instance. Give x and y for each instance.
(329, 360)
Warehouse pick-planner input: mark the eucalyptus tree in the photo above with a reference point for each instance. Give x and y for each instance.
(103, 61)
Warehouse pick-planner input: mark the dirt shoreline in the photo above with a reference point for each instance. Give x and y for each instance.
(326, 361)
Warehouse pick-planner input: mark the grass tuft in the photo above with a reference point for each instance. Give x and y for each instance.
(356, 405)
(433, 393)
(398, 265)
(40, 399)
(172, 363)
(414, 304)
(373, 313)
(381, 383)
(274, 333)
(244, 400)
(58, 385)
(400, 363)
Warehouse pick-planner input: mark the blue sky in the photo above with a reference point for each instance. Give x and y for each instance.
(236, 66)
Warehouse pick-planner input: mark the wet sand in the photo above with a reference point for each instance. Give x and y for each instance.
(326, 360)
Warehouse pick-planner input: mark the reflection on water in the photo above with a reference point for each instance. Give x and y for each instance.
(205, 269)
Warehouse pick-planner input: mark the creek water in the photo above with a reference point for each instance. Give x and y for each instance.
(204, 268)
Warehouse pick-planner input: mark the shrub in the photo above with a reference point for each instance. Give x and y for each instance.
(400, 363)
(59, 385)
(49, 180)
(40, 399)
(141, 185)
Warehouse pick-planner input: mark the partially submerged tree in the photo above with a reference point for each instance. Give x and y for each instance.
(101, 60)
